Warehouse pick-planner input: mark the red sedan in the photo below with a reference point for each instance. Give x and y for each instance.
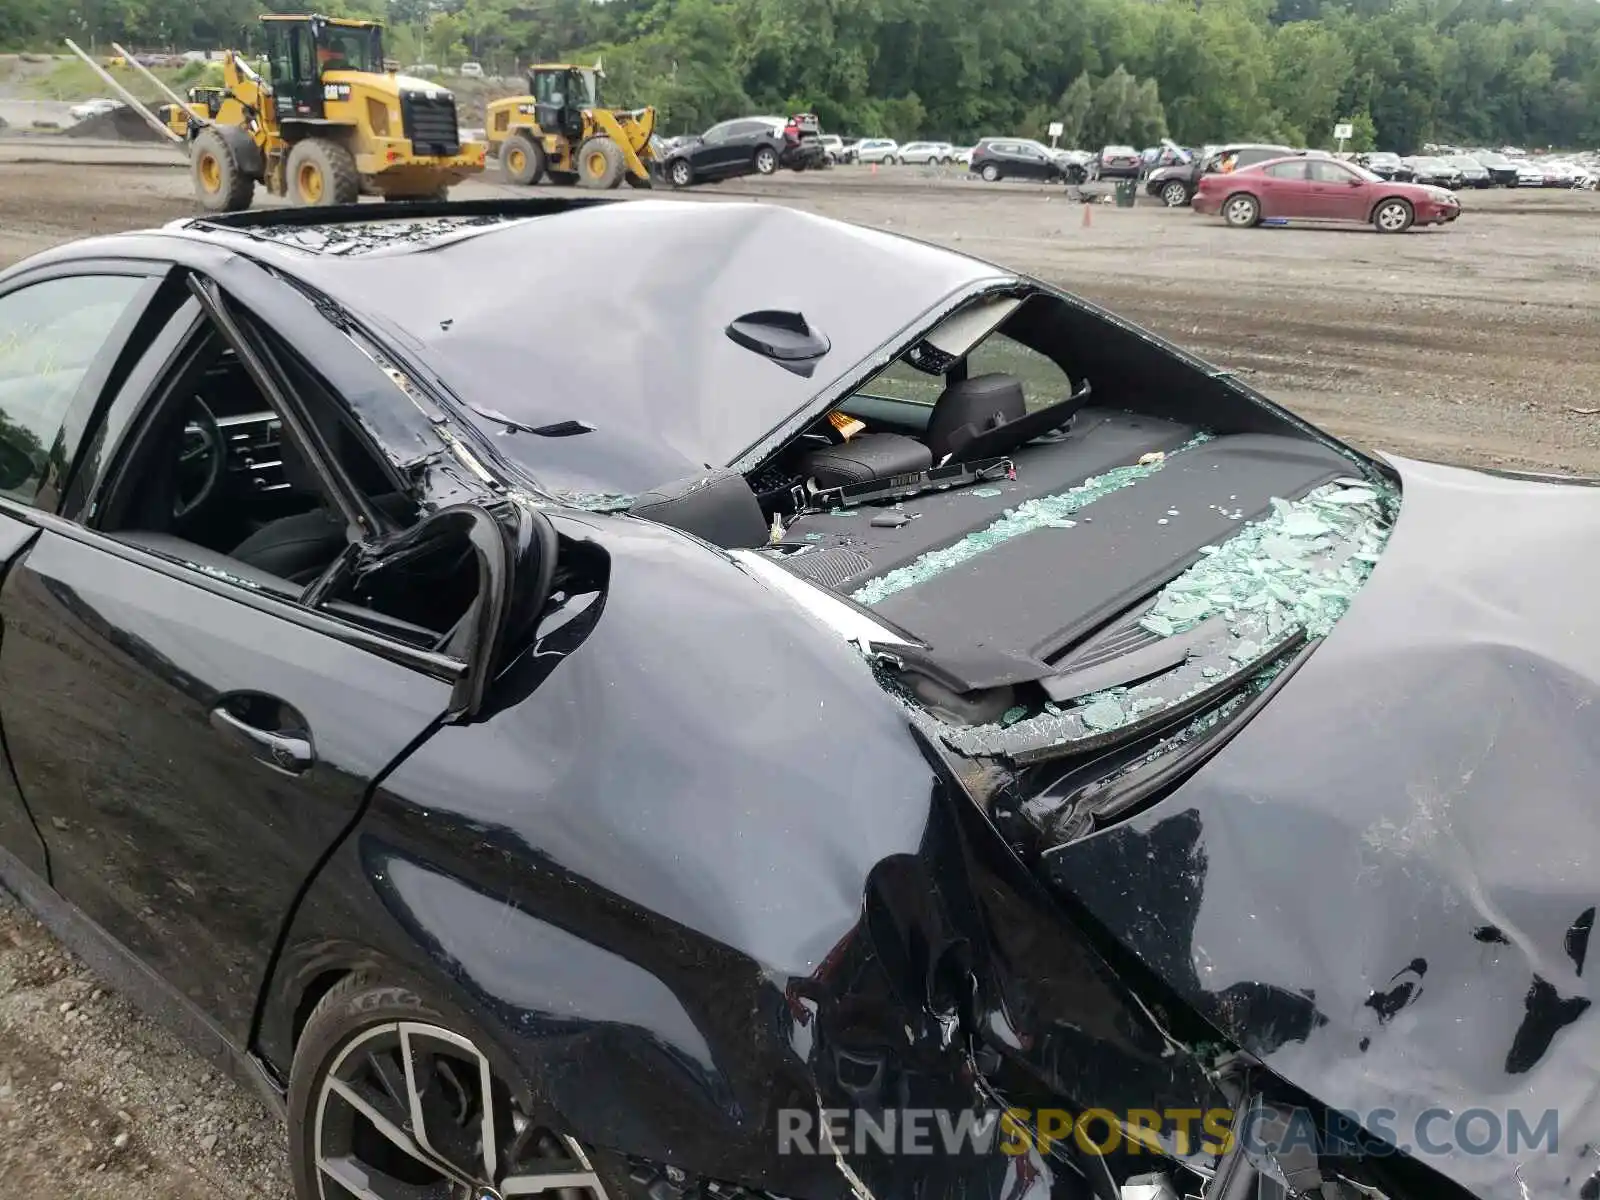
(1322, 189)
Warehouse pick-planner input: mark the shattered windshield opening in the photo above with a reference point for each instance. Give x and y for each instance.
(1122, 583)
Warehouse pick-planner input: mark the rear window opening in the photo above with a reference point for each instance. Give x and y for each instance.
(1128, 575)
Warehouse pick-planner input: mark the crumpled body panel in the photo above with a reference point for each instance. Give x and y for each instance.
(1384, 885)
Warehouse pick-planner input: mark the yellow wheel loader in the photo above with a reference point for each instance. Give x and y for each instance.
(330, 122)
(560, 132)
(202, 101)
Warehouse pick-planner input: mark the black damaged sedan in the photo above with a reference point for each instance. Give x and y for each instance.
(590, 697)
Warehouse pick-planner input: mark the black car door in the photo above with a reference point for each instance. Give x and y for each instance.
(1040, 164)
(61, 332)
(190, 741)
(710, 156)
(738, 153)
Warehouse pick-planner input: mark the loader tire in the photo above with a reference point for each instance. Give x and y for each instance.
(522, 160)
(220, 184)
(322, 172)
(600, 164)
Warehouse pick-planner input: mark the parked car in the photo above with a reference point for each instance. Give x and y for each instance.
(1386, 165)
(472, 70)
(963, 155)
(995, 159)
(93, 108)
(1473, 173)
(1118, 162)
(1322, 189)
(837, 149)
(1567, 173)
(745, 146)
(1529, 174)
(1501, 169)
(1436, 171)
(877, 150)
(926, 153)
(509, 843)
(1175, 185)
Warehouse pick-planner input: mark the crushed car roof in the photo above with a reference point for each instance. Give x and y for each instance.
(615, 317)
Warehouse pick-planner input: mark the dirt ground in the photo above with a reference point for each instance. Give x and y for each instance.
(1475, 343)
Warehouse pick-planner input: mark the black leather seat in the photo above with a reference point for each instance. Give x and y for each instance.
(298, 547)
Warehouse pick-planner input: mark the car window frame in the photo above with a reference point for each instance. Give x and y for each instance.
(130, 413)
(1340, 172)
(102, 369)
(1300, 166)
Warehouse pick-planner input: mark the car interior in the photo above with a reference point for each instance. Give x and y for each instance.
(1012, 401)
(212, 480)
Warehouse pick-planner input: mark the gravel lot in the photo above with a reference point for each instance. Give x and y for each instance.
(1473, 344)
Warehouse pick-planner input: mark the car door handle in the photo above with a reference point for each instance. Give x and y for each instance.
(287, 752)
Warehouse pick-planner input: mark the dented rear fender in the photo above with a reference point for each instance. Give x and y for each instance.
(683, 899)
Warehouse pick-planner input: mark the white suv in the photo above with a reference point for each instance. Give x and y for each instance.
(927, 152)
(878, 150)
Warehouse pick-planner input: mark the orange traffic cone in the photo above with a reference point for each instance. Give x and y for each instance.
(1088, 214)
(874, 168)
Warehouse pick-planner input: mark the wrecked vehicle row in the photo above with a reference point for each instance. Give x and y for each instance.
(838, 706)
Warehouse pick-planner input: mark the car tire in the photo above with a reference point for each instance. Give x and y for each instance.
(1242, 210)
(350, 1066)
(1174, 193)
(600, 164)
(766, 161)
(680, 173)
(322, 172)
(522, 159)
(990, 173)
(1393, 215)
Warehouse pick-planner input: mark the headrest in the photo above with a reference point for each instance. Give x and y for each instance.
(972, 406)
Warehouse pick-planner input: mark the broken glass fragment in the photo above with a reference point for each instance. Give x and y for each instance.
(1294, 571)
(1103, 714)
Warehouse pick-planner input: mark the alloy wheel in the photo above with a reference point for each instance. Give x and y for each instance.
(412, 1111)
(1241, 211)
(1393, 217)
(1174, 194)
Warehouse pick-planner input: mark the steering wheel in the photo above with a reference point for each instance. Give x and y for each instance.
(202, 457)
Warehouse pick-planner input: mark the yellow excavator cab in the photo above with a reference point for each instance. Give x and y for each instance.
(561, 129)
